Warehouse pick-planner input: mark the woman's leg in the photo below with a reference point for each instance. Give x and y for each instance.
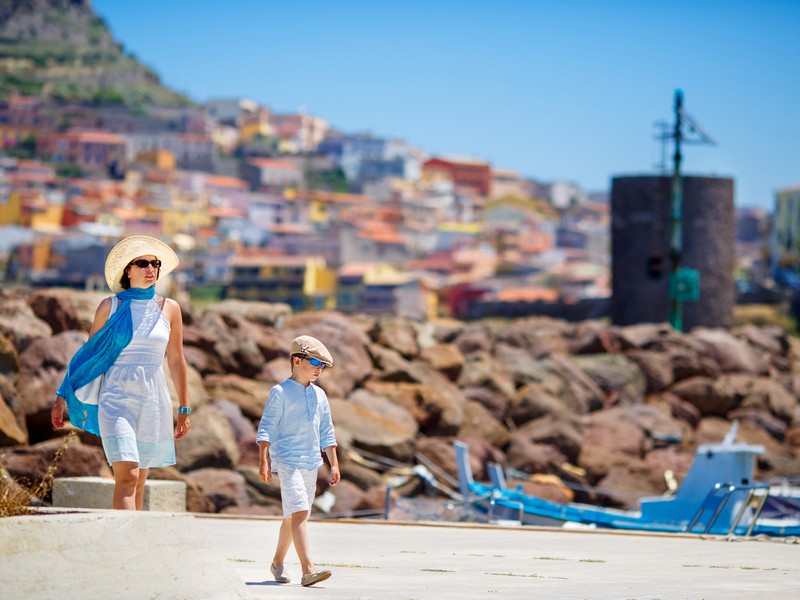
(284, 542)
(126, 477)
(140, 488)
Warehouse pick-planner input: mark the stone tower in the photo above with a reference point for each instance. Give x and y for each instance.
(640, 247)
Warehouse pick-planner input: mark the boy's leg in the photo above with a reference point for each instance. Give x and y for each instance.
(300, 537)
(284, 542)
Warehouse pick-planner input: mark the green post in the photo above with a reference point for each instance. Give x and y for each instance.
(676, 220)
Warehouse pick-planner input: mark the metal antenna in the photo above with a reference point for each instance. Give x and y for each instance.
(663, 135)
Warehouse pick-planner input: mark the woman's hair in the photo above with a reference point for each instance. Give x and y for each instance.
(125, 280)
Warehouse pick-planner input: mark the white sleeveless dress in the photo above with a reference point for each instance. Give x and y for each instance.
(134, 409)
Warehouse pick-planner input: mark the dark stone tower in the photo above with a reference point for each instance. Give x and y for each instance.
(640, 246)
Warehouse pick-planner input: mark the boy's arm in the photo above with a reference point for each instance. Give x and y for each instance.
(266, 431)
(327, 437)
(330, 452)
(264, 462)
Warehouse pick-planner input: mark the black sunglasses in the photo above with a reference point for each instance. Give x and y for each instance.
(143, 262)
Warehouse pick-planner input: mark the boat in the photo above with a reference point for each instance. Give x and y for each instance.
(717, 496)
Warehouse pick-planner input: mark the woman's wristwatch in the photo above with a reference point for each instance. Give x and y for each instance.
(184, 410)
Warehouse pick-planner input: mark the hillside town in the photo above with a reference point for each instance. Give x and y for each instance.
(285, 208)
(282, 207)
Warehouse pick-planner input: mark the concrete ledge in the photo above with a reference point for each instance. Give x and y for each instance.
(113, 554)
(98, 492)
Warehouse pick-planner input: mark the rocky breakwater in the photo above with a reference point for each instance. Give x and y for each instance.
(610, 409)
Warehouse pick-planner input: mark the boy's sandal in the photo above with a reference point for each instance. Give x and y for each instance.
(310, 579)
(279, 575)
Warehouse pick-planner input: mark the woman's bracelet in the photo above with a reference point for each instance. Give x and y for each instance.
(184, 410)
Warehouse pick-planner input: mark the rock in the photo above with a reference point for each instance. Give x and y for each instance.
(565, 380)
(20, 324)
(236, 342)
(210, 443)
(440, 451)
(64, 310)
(196, 501)
(769, 339)
(269, 490)
(267, 314)
(681, 409)
(446, 358)
(11, 433)
(644, 335)
(672, 459)
(222, 486)
(348, 345)
(474, 338)
(384, 429)
(620, 379)
(478, 422)
(531, 402)
(198, 396)
(628, 479)
(30, 464)
(42, 367)
(482, 370)
(397, 334)
(241, 426)
(731, 354)
(9, 358)
(699, 392)
(562, 431)
(747, 391)
(438, 409)
(535, 337)
(763, 419)
(495, 403)
(688, 362)
(446, 330)
(348, 498)
(362, 476)
(248, 394)
(373, 500)
(656, 368)
(613, 431)
(531, 457)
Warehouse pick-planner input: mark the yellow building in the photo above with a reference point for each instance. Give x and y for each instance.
(10, 208)
(304, 283)
(30, 209)
(160, 159)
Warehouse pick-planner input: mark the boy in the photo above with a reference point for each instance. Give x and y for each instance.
(295, 424)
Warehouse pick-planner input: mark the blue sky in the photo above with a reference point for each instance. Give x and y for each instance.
(554, 89)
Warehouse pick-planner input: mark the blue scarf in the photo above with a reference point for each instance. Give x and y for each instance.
(97, 355)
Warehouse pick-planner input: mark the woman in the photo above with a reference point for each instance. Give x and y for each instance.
(131, 332)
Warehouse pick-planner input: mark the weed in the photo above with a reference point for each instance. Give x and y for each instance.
(343, 565)
(16, 499)
(438, 570)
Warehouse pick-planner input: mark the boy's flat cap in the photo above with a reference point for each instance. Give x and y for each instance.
(305, 344)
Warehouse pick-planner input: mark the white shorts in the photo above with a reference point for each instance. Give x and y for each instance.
(298, 489)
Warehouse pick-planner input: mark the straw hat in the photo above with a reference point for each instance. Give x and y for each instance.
(131, 247)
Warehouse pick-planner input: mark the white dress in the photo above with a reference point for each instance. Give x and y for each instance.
(134, 409)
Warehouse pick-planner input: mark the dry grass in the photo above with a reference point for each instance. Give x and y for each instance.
(17, 499)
